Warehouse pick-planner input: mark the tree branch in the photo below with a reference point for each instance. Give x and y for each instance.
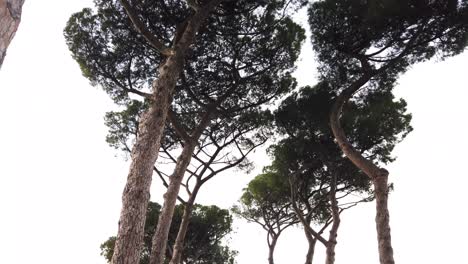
(144, 31)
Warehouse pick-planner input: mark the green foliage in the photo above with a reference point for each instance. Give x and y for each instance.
(208, 227)
(309, 156)
(268, 187)
(389, 35)
(266, 202)
(242, 58)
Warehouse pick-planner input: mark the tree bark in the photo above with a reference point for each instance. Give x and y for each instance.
(379, 176)
(311, 250)
(383, 219)
(10, 17)
(159, 241)
(145, 152)
(179, 242)
(330, 252)
(271, 249)
(167, 212)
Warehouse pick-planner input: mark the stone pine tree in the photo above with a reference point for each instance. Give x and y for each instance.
(224, 145)
(242, 58)
(210, 226)
(265, 201)
(321, 178)
(165, 38)
(363, 46)
(10, 17)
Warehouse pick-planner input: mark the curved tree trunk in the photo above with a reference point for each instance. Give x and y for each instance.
(179, 242)
(145, 152)
(379, 176)
(10, 17)
(330, 259)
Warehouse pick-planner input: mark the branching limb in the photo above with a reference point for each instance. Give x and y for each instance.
(182, 201)
(144, 31)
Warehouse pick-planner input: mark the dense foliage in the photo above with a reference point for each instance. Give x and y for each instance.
(208, 230)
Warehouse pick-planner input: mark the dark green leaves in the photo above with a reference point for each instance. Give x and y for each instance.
(388, 35)
(208, 227)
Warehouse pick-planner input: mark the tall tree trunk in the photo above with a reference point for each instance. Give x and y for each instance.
(145, 152)
(159, 241)
(179, 242)
(10, 17)
(383, 219)
(379, 176)
(167, 212)
(271, 249)
(311, 250)
(330, 259)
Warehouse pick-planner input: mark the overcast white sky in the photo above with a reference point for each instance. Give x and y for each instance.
(60, 184)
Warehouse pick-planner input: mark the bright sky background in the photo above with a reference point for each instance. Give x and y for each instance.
(61, 184)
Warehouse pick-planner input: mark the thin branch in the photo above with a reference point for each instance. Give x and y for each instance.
(182, 201)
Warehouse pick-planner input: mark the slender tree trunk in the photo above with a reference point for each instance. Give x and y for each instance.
(145, 152)
(167, 212)
(179, 242)
(311, 250)
(10, 17)
(379, 176)
(271, 249)
(330, 259)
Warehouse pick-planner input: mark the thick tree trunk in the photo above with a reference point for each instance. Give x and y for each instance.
(10, 17)
(179, 242)
(271, 249)
(167, 212)
(383, 219)
(311, 250)
(145, 152)
(378, 175)
(330, 252)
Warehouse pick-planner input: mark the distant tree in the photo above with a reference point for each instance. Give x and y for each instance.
(321, 178)
(10, 17)
(266, 202)
(242, 58)
(363, 46)
(210, 225)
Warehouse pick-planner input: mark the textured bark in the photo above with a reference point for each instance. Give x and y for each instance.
(145, 152)
(10, 17)
(379, 176)
(167, 212)
(159, 241)
(179, 242)
(330, 252)
(383, 219)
